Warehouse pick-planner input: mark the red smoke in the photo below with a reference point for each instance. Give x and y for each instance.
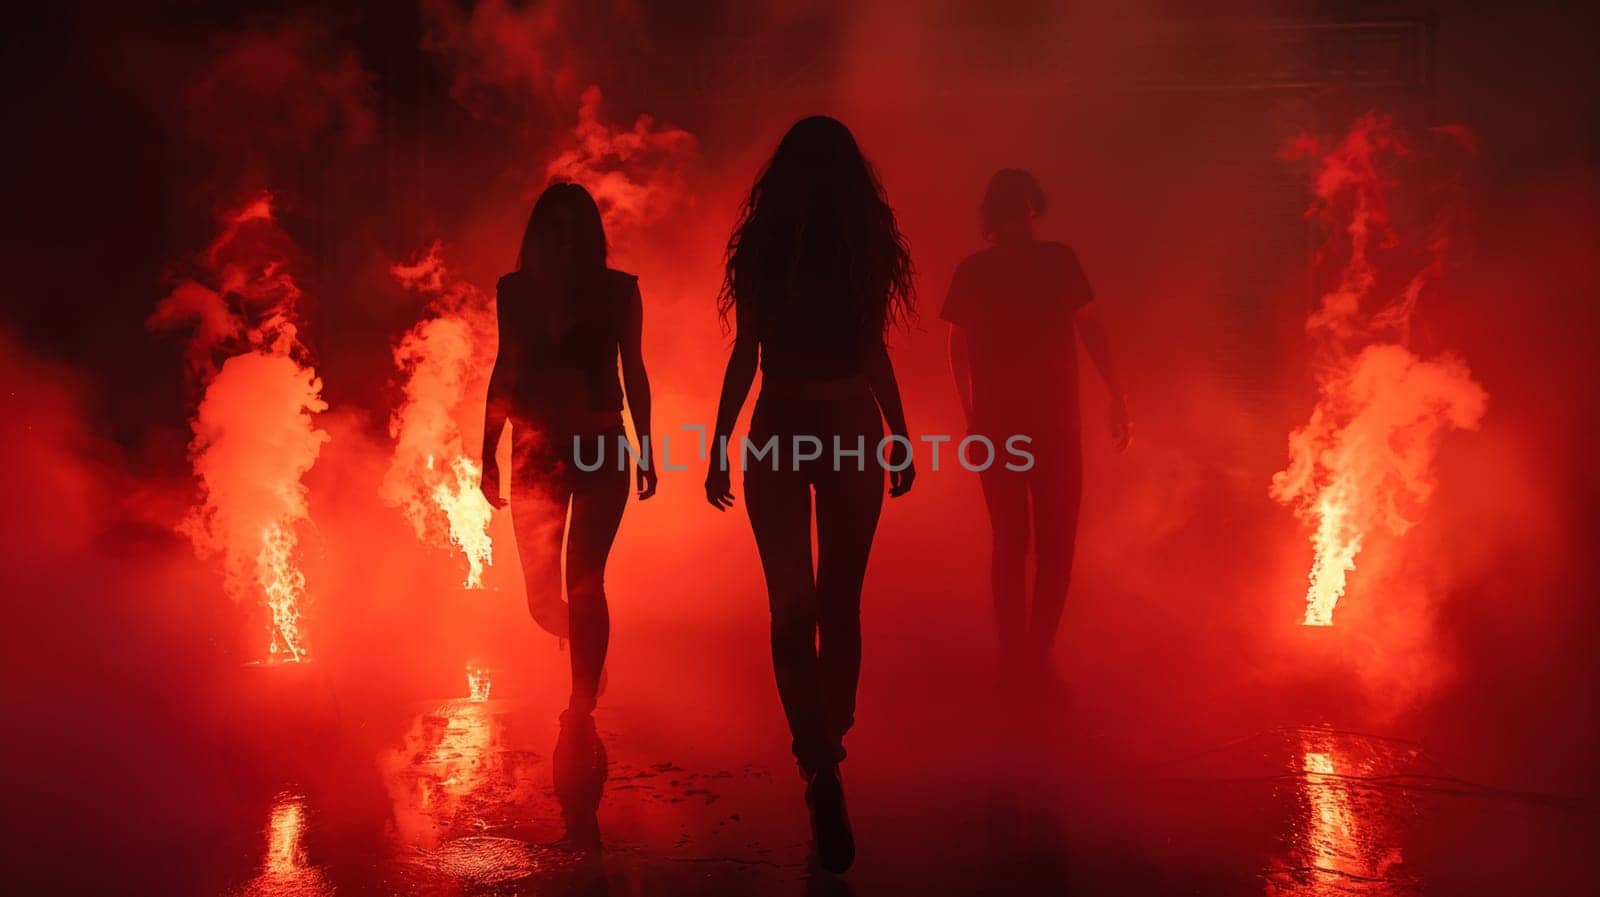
(637, 175)
(287, 85)
(443, 363)
(266, 98)
(254, 433)
(524, 69)
(1365, 459)
(504, 61)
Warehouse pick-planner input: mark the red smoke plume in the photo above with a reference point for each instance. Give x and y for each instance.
(254, 432)
(636, 175)
(526, 67)
(443, 361)
(1365, 459)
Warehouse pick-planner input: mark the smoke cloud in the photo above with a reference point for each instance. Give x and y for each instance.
(637, 175)
(1366, 457)
(254, 431)
(443, 362)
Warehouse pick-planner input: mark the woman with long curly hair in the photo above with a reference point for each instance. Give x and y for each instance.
(816, 274)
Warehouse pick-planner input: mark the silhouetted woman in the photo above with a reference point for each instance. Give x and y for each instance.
(1016, 310)
(565, 318)
(816, 273)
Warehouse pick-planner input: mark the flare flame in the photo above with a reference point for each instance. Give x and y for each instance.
(431, 478)
(1364, 460)
(255, 435)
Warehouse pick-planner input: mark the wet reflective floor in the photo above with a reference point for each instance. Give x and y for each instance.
(491, 794)
(303, 783)
(494, 796)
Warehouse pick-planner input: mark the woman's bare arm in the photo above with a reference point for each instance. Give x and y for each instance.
(496, 411)
(636, 383)
(879, 371)
(736, 380)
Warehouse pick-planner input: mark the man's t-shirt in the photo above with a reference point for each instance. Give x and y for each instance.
(1016, 304)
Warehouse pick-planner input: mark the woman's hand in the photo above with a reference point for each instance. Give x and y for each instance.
(719, 486)
(900, 480)
(489, 482)
(646, 479)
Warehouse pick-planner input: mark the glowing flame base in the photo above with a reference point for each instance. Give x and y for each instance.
(284, 587)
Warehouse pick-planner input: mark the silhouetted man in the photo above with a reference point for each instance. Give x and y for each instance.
(1013, 310)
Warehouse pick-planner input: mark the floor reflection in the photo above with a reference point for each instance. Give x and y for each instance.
(581, 768)
(455, 773)
(1345, 837)
(285, 871)
(1031, 802)
(470, 807)
(478, 683)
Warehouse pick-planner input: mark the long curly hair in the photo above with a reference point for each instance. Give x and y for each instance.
(817, 216)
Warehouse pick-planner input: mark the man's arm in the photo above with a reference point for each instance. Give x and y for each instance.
(961, 369)
(1093, 332)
